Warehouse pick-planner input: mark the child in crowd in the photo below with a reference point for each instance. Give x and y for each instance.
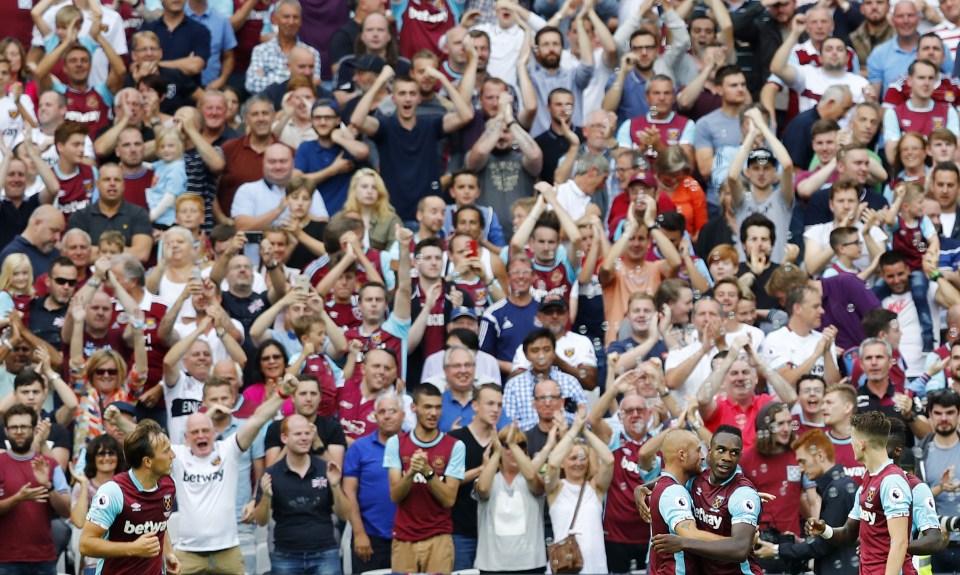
(16, 283)
(312, 333)
(913, 236)
(339, 288)
(169, 179)
(465, 189)
(68, 21)
(847, 248)
(111, 243)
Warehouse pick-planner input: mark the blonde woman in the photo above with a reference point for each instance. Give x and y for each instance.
(368, 197)
(573, 466)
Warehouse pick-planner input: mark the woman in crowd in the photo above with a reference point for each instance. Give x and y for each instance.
(269, 366)
(177, 266)
(575, 470)
(368, 196)
(104, 459)
(510, 535)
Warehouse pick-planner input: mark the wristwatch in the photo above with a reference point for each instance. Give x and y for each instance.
(429, 475)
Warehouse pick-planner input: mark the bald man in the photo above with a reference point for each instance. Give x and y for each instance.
(206, 473)
(39, 241)
(300, 64)
(671, 507)
(261, 204)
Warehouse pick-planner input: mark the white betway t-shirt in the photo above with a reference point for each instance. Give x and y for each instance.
(785, 348)
(207, 497)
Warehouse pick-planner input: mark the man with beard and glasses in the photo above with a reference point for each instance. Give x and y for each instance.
(937, 466)
(31, 484)
(725, 504)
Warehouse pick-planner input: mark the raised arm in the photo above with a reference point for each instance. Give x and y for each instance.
(264, 413)
(361, 118)
(463, 111)
(171, 361)
(779, 64)
(402, 304)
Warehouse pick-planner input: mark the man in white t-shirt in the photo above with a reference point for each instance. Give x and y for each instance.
(184, 387)
(575, 353)
(896, 275)
(797, 348)
(206, 474)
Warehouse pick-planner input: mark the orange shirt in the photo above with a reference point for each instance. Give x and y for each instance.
(626, 282)
(692, 203)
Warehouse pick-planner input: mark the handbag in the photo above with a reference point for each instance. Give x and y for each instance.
(564, 555)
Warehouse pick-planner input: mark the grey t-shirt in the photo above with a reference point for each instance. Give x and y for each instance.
(937, 460)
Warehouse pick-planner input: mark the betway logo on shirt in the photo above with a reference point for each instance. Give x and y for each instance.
(711, 520)
(868, 516)
(203, 477)
(427, 16)
(145, 527)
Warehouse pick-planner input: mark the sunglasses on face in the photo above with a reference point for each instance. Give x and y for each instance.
(65, 282)
(106, 371)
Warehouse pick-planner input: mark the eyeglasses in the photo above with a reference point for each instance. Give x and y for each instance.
(548, 398)
(65, 282)
(275, 357)
(19, 428)
(107, 453)
(106, 371)
(327, 117)
(633, 410)
(853, 243)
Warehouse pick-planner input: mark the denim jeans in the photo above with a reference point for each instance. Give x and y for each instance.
(919, 285)
(320, 563)
(29, 568)
(248, 546)
(464, 552)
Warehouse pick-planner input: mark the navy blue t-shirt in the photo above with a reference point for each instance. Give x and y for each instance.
(302, 508)
(409, 164)
(312, 157)
(622, 346)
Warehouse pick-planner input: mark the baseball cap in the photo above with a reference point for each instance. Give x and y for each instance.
(644, 177)
(463, 311)
(761, 156)
(553, 301)
(369, 63)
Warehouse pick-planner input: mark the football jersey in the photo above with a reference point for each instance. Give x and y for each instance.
(718, 507)
(670, 505)
(885, 495)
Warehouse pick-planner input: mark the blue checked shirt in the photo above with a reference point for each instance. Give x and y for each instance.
(269, 59)
(518, 396)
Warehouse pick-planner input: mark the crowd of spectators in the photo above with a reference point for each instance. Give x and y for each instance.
(421, 285)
